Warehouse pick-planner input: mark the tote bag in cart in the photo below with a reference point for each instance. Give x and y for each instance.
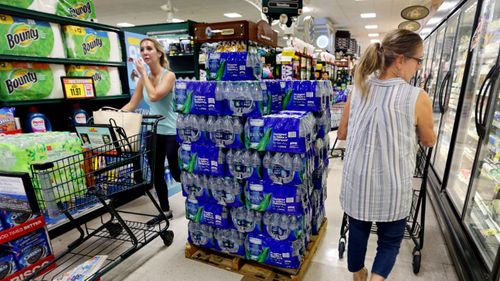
(130, 122)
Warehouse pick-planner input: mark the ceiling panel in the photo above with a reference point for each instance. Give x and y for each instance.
(345, 14)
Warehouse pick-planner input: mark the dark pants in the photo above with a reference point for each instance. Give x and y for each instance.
(166, 146)
(390, 235)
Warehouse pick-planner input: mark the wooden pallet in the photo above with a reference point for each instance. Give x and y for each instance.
(253, 271)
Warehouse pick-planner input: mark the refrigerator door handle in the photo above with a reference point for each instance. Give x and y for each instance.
(490, 87)
(478, 97)
(426, 83)
(444, 84)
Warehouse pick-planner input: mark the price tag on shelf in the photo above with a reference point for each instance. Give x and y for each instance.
(78, 87)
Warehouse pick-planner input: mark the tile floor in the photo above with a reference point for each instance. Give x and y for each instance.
(157, 262)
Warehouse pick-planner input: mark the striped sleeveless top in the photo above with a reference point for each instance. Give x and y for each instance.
(380, 151)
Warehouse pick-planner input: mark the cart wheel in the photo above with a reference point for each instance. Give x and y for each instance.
(417, 258)
(114, 229)
(341, 248)
(167, 236)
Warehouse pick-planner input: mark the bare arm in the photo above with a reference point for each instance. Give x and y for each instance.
(425, 122)
(136, 97)
(162, 90)
(344, 121)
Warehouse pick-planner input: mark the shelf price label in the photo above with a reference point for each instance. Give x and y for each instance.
(78, 87)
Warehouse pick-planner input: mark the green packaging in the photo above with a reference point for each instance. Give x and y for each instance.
(86, 43)
(25, 4)
(79, 9)
(30, 81)
(102, 80)
(26, 37)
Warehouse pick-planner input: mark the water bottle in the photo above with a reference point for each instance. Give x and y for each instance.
(253, 248)
(180, 95)
(254, 194)
(237, 129)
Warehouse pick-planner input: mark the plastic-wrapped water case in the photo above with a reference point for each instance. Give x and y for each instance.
(303, 96)
(226, 131)
(206, 99)
(277, 91)
(247, 221)
(283, 227)
(192, 129)
(230, 241)
(201, 235)
(196, 186)
(318, 210)
(215, 215)
(245, 98)
(283, 254)
(226, 191)
(255, 135)
(287, 199)
(286, 168)
(202, 160)
(289, 131)
(194, 210)
(244, 164)
(323, 123)
(319, 177)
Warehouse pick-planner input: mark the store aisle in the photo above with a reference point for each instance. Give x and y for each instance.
(156, 262)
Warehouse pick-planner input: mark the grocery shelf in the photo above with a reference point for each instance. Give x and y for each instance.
(58, 60)
(55, 101)
(21, 230)
(181, 55)
(25, 13)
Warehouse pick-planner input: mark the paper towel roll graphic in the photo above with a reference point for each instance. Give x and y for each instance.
(47, 6)
(116, 83)
(30, 81)
(115, 50)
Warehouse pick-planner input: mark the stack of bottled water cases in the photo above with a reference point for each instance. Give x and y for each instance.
(254, 159)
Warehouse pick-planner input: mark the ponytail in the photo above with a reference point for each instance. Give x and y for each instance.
(371, 61)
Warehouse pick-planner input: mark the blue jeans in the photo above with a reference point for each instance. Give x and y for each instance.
(390, 235)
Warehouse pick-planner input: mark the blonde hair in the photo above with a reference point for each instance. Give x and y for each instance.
(159, 48)
(378, 57)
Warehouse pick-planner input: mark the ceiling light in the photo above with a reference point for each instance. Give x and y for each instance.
(177, 20)
(124, 24)
(371, 26)
(322, 41)
(368, 15)
(307, 9)
(232, 15)
(416, 12)
(373, 34)
(375, 41)
(409, 25)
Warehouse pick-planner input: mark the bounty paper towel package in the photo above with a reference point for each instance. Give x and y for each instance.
(30, 81)
(25, 4)
(79, 9)
(106, 79)
(90, 44)
(27, 37)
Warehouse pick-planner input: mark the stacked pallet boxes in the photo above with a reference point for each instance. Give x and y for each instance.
(254, 158)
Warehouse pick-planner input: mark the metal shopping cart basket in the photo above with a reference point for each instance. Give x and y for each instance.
(336, 110)
(95, 176)
(415, 222)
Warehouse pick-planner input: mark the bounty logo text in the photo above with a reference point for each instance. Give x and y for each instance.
(21, 35)
(91, 44)
(96, 75)
(80, 10)
(20, 79)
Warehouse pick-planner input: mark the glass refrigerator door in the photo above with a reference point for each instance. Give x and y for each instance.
(444, 76)
(428, 65)
(480, 217)
(483, 208)
(463, 37)
(438, 48)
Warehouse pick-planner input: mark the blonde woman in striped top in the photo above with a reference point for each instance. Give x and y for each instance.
(383, 120)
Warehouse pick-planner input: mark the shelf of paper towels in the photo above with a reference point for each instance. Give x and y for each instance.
(37, 80)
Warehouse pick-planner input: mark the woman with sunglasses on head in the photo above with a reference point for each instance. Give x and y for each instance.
(382, 121)
(155, 88)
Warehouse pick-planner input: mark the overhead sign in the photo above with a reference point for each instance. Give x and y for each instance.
(288, 7)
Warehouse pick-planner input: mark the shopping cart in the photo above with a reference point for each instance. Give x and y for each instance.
(336, 110)
(415, 222)
(95, 176)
